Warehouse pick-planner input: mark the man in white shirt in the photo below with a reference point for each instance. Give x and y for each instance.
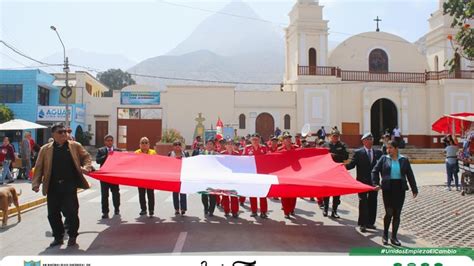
(397, 135)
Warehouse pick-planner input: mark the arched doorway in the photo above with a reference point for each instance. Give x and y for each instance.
(383, 116)
(265, 125)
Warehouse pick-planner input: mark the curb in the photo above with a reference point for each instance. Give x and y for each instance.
(427, 161)
(28, 206)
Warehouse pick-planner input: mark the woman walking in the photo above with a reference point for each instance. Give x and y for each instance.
(396, 173)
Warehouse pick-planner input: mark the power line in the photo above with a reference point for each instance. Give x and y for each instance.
(212, 81)
(26, 56)
(223, 13)
(283, 25)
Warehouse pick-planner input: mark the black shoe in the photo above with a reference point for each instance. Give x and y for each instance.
(263, 215)
(176, 212)
(116, 212)
(56, 242)
(312, 199)
(105, 216)
(143, 213)
(288, 217)
(71, 242)
(211, 214)
(385, 240)
(227, 214)
(254, 214)
(242, 204)
(395, 241)
(235, 215)
(371, 226)
(152, 214)
(363, 229)
(292, 213)
(335, 215)
(325, 213)
(183, 213)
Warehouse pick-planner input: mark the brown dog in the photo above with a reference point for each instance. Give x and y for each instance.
(8, 196)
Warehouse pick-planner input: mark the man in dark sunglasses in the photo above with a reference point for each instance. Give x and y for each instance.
(60, 167)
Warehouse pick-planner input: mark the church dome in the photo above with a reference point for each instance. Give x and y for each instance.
(380, 47)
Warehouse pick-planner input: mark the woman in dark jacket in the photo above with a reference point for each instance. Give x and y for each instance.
(396, 175)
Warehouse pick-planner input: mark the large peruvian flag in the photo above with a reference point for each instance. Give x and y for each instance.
(295, 173)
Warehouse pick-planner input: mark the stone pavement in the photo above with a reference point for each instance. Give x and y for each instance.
(442, 218)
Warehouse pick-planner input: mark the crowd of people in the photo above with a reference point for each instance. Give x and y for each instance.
(62, 163)
(26, 159)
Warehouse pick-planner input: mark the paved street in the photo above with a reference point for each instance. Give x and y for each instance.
(309, 233)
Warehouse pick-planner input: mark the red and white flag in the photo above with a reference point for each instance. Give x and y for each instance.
(296, 173)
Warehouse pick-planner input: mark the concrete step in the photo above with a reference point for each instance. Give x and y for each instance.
(423, 155)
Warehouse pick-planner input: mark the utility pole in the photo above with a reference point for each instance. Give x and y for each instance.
(66, 91)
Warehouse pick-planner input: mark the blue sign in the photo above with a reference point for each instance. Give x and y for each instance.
(209, 134)
(52, 113)
(140, 97)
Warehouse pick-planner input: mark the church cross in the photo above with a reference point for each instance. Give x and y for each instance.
(377, 20)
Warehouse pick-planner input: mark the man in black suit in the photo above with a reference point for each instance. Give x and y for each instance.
(102, 154)
(365, 159)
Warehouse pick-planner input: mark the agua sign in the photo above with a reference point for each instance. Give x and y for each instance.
(52, 113)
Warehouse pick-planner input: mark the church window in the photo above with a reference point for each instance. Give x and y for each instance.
(241, 121)
(287, 121)
(312, 57)
(378, 61)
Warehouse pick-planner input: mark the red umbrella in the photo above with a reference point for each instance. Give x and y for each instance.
(460, 122)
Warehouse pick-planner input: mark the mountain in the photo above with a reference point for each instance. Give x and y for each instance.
(90, 59)
(206, 65)
(230, 45)
(235, 29)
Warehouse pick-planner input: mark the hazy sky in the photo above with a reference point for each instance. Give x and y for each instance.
(147, 28)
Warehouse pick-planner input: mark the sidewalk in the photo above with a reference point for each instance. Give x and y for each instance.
(28, 198)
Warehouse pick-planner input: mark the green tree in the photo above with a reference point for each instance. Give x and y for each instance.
(6, 114)
(462, 12)
(115, 79)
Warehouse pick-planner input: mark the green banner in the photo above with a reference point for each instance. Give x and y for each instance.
(469, 252)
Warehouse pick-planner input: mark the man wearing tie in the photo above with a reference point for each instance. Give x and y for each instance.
(365, 159)
(102, 154)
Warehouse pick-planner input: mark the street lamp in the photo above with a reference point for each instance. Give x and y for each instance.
(66, 91)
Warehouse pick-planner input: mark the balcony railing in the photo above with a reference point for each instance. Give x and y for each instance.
(316, 71)
(445, 74)
(402, 77)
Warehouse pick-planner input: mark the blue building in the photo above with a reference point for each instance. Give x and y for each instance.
(31, 95)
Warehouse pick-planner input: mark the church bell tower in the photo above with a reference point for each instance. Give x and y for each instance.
(306, 40)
